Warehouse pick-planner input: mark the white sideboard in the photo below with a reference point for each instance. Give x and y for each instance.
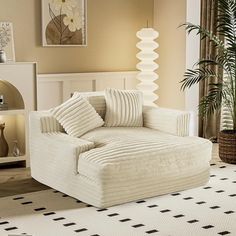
(18, 87)
(53, 89)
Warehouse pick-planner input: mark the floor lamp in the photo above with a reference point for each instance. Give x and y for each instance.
(147, 65)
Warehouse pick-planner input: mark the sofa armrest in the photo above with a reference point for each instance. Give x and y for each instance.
(53, 149)
(48, 123)
(167, 120)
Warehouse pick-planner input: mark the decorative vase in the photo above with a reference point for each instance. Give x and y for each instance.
(227, 146)
(3, 143)
(16, 150)
(3, 57)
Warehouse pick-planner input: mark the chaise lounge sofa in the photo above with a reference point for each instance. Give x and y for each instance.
(112, 165)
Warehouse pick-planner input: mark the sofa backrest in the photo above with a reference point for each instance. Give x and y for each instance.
(96, 99)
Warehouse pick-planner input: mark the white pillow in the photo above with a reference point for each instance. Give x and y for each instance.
(96, 99)
(77, 116)
(123, 108)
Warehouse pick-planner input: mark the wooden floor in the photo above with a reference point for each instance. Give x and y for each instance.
(17, 180)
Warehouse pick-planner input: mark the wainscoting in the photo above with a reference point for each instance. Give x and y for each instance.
(53, 89)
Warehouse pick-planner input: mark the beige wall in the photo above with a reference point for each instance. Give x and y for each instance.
(112, 26)
(169, 14)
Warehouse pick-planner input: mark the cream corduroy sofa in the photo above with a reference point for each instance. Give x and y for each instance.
(109, 166)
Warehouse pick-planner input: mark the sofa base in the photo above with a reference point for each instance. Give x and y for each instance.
(87, 191)
(167, 163)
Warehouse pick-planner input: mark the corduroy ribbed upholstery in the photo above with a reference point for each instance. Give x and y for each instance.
(167, 120)
(96, 99)
(127, 153)
(77, 116)
(49, 124)
(112, 165)
(123, 108)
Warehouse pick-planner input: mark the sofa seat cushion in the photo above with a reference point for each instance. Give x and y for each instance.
(128, 154)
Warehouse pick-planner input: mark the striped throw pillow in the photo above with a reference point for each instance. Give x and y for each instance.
(123, 108)
(77, 116)
(96, 99)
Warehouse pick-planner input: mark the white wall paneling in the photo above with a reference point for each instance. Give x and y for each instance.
(192, 56)
(53, 89)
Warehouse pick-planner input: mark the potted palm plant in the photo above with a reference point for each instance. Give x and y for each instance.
(223, 92)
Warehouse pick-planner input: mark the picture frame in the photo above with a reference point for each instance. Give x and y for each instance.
(64, 23)
(6, 29)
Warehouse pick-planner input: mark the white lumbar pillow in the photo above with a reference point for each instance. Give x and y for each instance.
(123, 108)
(77, 116)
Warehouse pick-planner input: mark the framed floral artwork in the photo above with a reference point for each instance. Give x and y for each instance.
(7, 40)
(64, 23)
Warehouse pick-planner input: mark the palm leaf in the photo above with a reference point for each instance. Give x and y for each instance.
(226, 25)
(194, 76)
(222, 93)
(213, 101)
(189, 27)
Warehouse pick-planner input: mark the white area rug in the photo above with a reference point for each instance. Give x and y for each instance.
(204, 211)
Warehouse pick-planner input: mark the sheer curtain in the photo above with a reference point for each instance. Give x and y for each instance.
(208, 127)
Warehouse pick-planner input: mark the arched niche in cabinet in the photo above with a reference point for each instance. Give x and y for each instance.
(18, 87)
(12, 98)
(12, 114)
(14, 132)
